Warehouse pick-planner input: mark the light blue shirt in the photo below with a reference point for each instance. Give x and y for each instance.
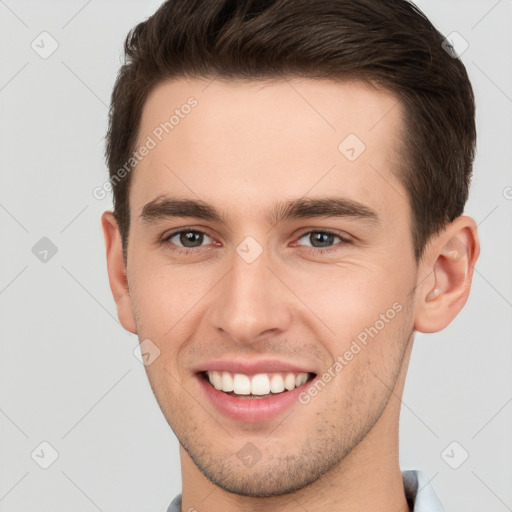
(418, 491)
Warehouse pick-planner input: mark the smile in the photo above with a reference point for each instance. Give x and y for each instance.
(261, 384)
(248, 398)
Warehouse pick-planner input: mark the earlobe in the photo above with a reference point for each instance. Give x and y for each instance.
(116, 267)
(450, 261)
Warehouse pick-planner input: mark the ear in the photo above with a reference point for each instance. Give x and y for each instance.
(116, 266)
(448, 265)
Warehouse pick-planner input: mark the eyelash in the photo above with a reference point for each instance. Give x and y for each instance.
(182, 250)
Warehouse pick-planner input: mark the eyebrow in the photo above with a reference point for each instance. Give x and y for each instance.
(165, 207)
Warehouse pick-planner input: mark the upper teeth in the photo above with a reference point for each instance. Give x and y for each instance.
(259, 384)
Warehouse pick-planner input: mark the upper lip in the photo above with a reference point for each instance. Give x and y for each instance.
(252, 367)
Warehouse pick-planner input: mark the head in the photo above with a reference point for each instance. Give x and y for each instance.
(266, 124)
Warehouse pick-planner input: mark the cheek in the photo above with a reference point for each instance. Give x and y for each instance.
(163, 296)
(353, 297)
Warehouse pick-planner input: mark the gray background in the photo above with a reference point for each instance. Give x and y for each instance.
(68, 374)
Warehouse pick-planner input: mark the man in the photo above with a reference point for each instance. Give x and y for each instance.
(289, 180)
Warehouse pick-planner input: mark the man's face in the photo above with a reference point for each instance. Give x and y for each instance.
(248, 294)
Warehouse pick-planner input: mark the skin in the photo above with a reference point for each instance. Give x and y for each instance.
(244, 148)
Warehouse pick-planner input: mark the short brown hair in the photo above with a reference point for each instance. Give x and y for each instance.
(389, 43)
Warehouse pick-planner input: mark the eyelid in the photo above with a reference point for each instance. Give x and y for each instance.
(345, 239)
(167, 236)
(341, 234)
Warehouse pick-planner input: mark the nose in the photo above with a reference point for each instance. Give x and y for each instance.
(251, 301)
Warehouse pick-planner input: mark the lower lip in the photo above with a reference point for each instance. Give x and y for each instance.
(251, 409)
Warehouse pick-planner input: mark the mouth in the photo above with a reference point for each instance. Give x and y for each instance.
(258, 386)
(253, 398)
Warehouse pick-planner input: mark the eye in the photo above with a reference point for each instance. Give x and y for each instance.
(323, 240)
(186, 239)
(192, 240)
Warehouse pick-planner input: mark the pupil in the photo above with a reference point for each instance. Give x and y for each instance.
(190, 236)
(325, 239)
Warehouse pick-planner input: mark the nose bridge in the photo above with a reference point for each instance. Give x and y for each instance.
(251, 299)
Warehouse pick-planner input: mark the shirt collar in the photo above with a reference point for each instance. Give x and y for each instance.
(419, 493)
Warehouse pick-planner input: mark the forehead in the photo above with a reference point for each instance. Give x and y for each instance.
(252, 142)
